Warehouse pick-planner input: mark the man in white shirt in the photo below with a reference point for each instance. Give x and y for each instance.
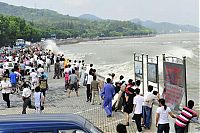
(89, 81)
(61, 66)
(10, 58)
(40, 69)
(80, 66)
(149, 100)
(48, 62)
(137, 109)
(32, 60)
(34, 79)
(16, 59)
(41, 62)
(6, 85)
(87, 73)
(26, 97)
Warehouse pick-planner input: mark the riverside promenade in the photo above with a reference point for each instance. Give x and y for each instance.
(58, 102)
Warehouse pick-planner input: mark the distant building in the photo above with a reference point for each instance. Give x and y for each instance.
(53, 36)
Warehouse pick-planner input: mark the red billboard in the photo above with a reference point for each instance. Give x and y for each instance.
(174, 80)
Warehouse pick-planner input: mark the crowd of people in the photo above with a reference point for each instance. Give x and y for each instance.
(127, 98)
(24, 69)
(33, 64)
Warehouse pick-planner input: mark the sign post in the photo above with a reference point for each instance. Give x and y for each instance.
(184, 63)
(152, 71)
(139, 68)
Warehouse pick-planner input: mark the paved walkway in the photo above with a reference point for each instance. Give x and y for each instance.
(58, 102)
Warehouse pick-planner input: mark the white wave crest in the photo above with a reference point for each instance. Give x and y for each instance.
(51, 45)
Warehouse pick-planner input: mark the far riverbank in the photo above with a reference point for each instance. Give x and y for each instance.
(78, 40)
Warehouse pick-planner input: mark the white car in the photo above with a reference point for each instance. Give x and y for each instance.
(8, 65)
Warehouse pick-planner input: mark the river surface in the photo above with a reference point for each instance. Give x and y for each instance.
(117, 55)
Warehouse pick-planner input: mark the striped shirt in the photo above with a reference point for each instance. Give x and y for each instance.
(184, 118)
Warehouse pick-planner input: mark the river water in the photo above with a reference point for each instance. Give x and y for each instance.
(117, 55)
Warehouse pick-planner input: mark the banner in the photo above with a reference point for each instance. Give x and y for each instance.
(174, 74)
(173, 95)
(152, 72)
(138, 70)
(174, 79)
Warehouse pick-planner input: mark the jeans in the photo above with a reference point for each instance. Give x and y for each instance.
(137, 118)
(147, 116)
(163, 128)
(6, 98)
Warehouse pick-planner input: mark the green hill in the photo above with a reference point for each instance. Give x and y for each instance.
(50, 22)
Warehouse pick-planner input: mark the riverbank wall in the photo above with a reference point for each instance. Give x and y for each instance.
(78, 40)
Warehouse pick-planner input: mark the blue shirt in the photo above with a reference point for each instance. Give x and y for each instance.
(13, 78)
(22, 66)
(108, 91)
(45, 75)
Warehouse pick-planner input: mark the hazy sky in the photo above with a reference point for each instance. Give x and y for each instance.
(175, 11)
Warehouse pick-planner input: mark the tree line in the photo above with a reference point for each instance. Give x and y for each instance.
(12, 28)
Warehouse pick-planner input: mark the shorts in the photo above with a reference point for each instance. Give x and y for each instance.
(73, 86)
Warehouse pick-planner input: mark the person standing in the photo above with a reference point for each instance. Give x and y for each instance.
(39, 100)
(149, 100)
(73, 80)
(86, 74)
(26, 97)
(66, 73)
(48, 62)
(13, 79)
(34, 79)
(128, 108)
(121, 86)
(56, 70)
(95, 90)
(5, 85)
(61, 66)
(22, 69)
(162, 120)
(43, 83)
(107, 94)
(137, 109)
(183, 120)
(40, 69)
(88, 91)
